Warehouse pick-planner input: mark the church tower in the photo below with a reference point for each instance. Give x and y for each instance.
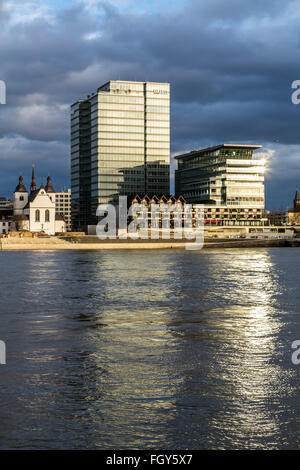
(20, 197)
(50, 190)
(297, 202)
(33, 185)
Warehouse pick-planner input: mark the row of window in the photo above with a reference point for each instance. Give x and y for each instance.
(117, 107)
(126, 136)
(162, 113)
(129, 151)
(38, 215)
(120, 99)
(128, 114)
(124, 127)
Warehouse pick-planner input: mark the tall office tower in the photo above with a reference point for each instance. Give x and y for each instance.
(81, 165)
(227, 180)
(120, 145)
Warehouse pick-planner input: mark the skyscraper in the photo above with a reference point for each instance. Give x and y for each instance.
(120, 145)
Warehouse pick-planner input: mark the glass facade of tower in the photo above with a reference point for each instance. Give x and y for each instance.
(81, 165)
(126, 150)
(226, 179)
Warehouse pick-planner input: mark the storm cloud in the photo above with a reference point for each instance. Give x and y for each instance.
(230, 65)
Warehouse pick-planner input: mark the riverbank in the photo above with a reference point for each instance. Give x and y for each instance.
(93, 243)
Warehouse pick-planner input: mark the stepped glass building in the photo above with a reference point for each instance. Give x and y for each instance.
(227, 180)
(120, 145)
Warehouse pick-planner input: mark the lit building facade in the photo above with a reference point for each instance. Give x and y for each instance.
(63, 206)
(120, 145)
(227, 180)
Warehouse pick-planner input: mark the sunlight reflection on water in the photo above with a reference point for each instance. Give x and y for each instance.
(137, 350)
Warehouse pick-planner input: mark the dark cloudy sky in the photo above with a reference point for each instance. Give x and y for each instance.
(230, 64)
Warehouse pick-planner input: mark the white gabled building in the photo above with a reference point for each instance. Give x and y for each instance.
(35, 212)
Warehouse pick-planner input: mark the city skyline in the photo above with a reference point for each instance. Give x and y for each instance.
(150, 310)
(232, 90)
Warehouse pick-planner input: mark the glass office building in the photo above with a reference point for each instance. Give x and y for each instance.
(81, 215)
(120, 145)
(227, 180)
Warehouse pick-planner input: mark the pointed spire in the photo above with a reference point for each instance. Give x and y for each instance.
(33, 185)
(297, 202)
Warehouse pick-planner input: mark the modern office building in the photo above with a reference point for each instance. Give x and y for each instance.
(120, 145)
(6, 214)
(6, 204)
(63, 206)
(227, 180)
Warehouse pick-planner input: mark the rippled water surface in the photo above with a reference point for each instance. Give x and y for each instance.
(150, 349)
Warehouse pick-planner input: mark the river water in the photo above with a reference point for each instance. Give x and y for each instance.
(150, 349)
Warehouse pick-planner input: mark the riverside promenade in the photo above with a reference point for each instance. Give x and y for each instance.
(93, 243)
